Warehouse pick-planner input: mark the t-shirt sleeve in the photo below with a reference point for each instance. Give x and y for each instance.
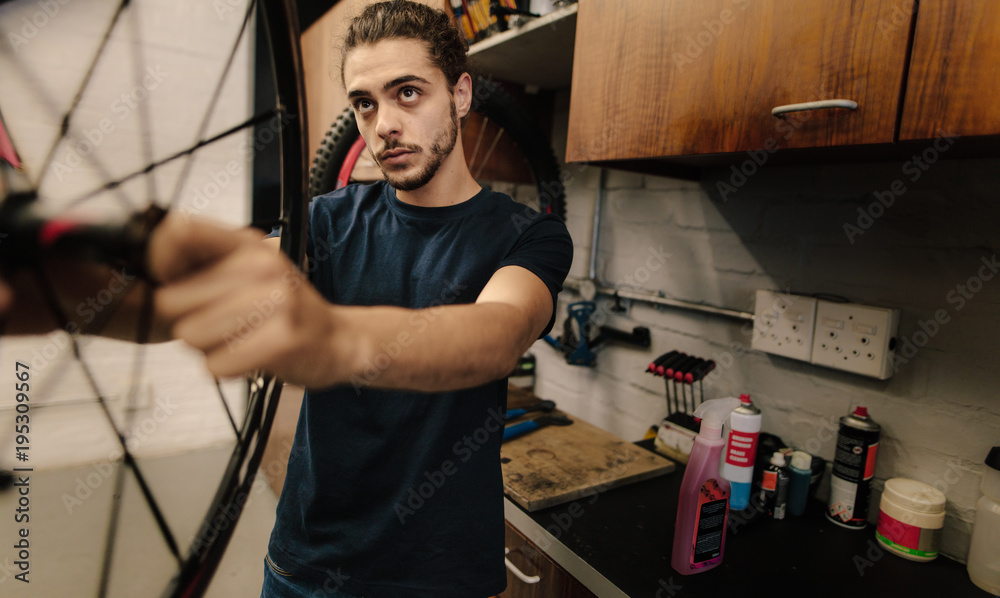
(546, 250)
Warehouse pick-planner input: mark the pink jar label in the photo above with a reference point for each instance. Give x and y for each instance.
(907, 538)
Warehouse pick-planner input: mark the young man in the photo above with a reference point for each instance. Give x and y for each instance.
(425, 289)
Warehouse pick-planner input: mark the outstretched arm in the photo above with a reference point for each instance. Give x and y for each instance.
(246, 307)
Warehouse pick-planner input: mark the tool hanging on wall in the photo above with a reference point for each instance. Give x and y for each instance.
(581, 336)
(677, 368)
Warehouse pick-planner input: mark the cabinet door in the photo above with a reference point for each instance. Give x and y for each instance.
(954, 71)
(532, 562)
(656, 78)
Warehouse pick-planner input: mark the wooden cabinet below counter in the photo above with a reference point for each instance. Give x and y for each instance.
(532, 563)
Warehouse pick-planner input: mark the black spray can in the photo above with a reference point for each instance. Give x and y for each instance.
(774, 487)
(853, 470)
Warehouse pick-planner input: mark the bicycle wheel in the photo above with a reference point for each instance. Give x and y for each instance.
(120, 110)
(498, 126)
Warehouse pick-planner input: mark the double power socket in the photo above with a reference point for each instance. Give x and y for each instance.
(844, 336)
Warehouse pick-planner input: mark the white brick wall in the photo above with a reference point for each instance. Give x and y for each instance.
(785, 229)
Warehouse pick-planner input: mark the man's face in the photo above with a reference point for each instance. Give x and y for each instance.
(405, 111)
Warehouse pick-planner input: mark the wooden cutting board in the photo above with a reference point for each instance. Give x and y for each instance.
(558, 464)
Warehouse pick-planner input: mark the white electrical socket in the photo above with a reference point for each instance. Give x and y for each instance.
(783, 324)
(855, 338)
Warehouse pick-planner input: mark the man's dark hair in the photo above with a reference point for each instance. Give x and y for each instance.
(410, 20)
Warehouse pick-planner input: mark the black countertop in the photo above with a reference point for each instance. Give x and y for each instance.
(625, 535)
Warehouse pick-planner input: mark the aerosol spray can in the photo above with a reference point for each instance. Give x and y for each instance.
(853, 470)
(774, 487)
(741, 452)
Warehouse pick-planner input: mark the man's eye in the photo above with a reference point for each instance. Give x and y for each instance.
(409, 93)
(364, 105)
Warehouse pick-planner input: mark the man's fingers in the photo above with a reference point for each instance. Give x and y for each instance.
(235, 316)
(253, 266)
(179, 246)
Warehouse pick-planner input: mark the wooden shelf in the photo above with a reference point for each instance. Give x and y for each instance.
(539, 53)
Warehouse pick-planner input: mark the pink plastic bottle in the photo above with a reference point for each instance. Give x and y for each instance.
(703, 505)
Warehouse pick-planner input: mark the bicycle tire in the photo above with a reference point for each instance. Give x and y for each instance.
(281, 24)
(489, 99)
(196, 568)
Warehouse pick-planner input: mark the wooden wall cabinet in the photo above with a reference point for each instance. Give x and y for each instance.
(531, 561)
(675, 78)
(656, 78)
(954, 71)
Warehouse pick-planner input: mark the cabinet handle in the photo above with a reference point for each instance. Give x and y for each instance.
(818, 105)
(517, 572)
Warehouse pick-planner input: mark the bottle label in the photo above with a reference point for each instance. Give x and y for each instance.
(853, 470)
(710, 527)
(770, 481)
(741, 450)
(907, 538)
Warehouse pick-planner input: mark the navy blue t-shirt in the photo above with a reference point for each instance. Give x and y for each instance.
(399, 494)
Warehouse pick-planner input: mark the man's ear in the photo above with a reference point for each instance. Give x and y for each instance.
(463, 95)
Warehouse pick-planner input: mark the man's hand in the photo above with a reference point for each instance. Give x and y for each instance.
(241, 302)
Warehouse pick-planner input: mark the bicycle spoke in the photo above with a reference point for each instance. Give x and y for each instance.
(479, 140)
(489, 152)
(229, 413)
(46, 100)
(216, 94)
(144, 120)
(49, 294)
(64, 126)
(254, 120)
(112, 532)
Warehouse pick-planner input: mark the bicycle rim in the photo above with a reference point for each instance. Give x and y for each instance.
(498, 127)
(169, 176)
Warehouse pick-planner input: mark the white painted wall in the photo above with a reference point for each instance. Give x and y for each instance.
(784, 229)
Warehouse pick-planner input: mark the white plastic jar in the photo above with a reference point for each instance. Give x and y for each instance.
(910, 518)
(984, 547)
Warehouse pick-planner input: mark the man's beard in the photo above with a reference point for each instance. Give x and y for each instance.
(439, 150)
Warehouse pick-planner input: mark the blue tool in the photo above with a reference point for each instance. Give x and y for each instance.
(534, 424)
(577, 342)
